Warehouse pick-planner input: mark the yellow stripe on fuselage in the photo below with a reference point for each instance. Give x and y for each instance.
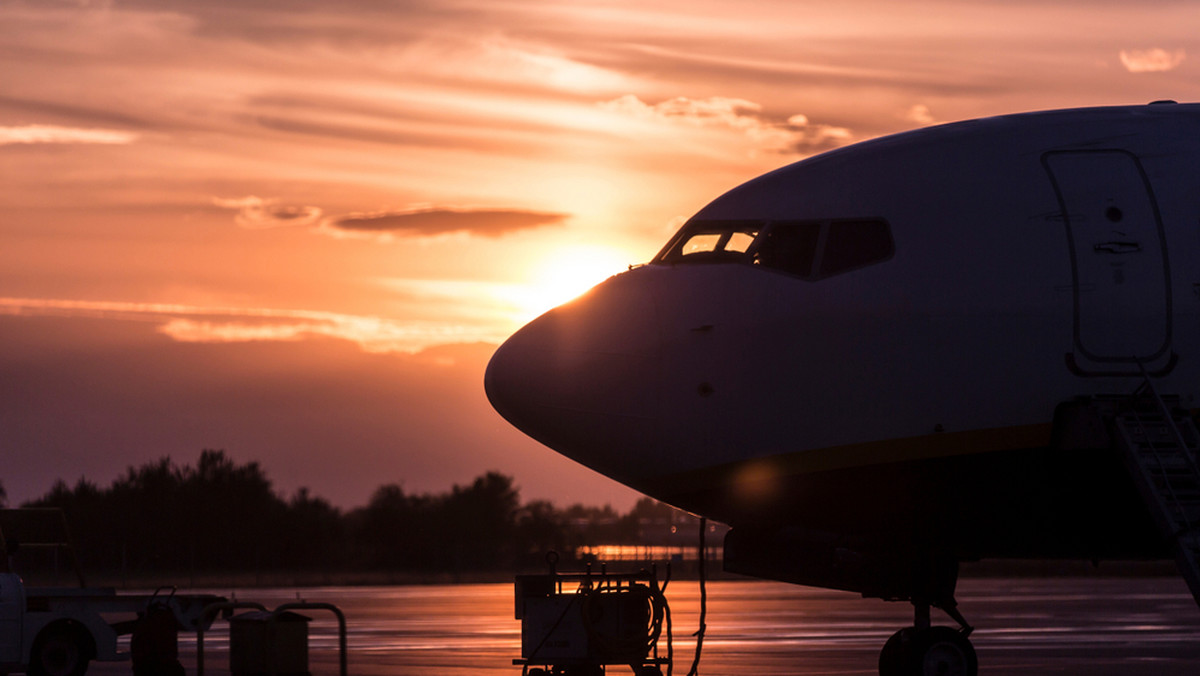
(849, 456)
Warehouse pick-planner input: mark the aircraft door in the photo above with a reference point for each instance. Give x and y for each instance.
(1122, 293)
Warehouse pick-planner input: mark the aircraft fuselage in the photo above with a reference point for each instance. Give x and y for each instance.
(871, 344)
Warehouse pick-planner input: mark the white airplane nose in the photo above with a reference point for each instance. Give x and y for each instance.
(582, 378)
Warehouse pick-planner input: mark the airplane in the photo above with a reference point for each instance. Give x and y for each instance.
(978, 340)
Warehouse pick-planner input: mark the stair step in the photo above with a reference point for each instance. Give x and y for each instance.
(1160, 449)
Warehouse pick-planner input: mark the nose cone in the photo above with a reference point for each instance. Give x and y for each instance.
(582, 378)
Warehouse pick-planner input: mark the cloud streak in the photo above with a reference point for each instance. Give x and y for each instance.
(257, 213)
(49, 133)
(1151, 60)
(435, 221)
(199, 324)
(796, 134)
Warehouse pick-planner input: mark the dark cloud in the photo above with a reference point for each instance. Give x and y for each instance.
(293, 213)
(347, 22)
(363, 133)
(257, 213)
(340, 120)
(377, 120)
(444, 220)
(19, 109)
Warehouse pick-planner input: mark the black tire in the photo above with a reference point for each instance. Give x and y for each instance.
(60, 651)
(893, 658)
(942, 651)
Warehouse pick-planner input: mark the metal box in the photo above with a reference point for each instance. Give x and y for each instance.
(597, 627)
(262, 643)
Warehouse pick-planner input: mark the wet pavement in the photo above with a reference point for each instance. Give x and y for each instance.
(1078, 626)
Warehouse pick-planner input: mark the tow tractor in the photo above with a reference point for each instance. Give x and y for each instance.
(57, 631)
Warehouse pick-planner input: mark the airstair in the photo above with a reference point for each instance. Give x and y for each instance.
(1159, 441)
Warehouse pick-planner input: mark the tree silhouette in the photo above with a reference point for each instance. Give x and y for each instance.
(482, 521)
(220, 515)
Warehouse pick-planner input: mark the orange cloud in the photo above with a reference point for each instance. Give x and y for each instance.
(371, 334)
(715, 110)
(920, 114)
(433, 221)
(799, 135)
(49, 133)
(796, 134)
(198, 324)
(256, 213)
(1151, 60)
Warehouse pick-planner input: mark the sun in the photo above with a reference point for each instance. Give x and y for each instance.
(567, 272)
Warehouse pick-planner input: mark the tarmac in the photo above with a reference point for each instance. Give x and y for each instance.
(1083, 626)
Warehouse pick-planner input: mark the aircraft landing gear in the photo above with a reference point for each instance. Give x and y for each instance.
(924, 650)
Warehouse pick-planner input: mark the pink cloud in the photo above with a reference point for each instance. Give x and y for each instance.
(1151, 60)
(49, 133)
(434, 221)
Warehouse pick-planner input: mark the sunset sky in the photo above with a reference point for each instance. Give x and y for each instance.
(295, 230)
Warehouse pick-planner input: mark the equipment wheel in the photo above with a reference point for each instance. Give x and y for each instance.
(937, 651)
(942, 651)
(59, 651)
(892, 657)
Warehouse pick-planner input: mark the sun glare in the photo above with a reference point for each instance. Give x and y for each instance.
(567, 273)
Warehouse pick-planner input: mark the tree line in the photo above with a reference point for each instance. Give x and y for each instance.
(219, 515)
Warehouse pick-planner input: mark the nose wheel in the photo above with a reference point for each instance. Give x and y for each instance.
(924, 650)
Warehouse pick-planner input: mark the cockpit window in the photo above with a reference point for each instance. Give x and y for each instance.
(704, 242)
(811, 250)
(854, 244)
(711, 241)
(789, 246)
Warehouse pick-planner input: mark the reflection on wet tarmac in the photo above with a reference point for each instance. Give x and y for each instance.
(1081, 626)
